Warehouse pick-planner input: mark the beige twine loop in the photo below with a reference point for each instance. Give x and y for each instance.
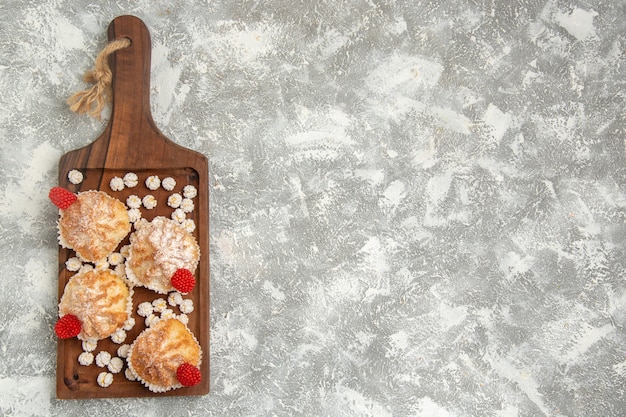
(93, 100)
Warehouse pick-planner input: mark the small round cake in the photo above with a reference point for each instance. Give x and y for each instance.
(93, 225)
(100, 300)
(157, 250)
(161, 352)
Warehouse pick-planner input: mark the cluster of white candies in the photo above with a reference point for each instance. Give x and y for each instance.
(158, 309)
(113, 364)
(115, 261)
(182, 204)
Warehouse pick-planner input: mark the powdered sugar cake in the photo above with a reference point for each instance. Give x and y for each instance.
(132, 144)
(100, 299)
(157, 250)
(157, 353)
(94, 225)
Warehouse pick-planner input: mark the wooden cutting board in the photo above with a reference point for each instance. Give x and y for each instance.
(131, 142)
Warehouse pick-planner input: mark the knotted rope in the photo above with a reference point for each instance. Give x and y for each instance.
(93, 99)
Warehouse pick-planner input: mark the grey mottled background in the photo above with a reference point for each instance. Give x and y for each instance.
(418, 208)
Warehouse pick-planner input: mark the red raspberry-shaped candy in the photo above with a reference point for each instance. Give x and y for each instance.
(67, 326)
(183, 280)
(61, 197)
(188, 375)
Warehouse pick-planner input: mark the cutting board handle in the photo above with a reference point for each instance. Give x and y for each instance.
(131, 78)
(131, 137)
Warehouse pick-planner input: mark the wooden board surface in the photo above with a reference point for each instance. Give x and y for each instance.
(131, 142)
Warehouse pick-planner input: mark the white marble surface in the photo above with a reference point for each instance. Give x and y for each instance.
(418, 208)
